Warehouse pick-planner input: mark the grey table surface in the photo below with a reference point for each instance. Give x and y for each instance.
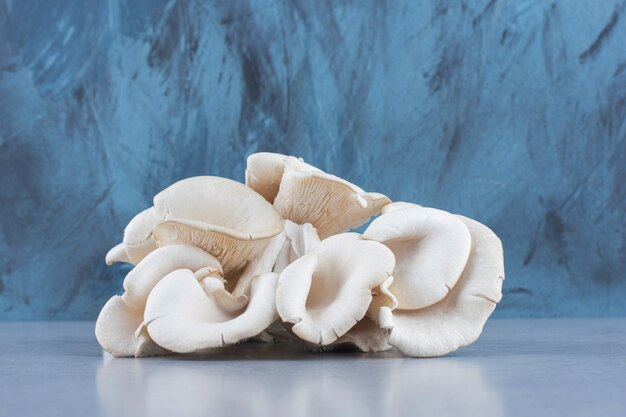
(564, 367)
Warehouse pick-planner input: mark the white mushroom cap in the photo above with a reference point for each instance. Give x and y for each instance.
(327, 291)
(138, 240)
(184, 315)
(221, 216)
(119, 328)
(305, 194)
(458, 319)
(431, 248)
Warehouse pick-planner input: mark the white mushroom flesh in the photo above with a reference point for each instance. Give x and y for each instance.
(431, 248)
(184, 315)
(458, 319)
(119, 328)
(219, 262)
(327, 291)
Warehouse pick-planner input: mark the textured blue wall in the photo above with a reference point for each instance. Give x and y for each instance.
(511, 112)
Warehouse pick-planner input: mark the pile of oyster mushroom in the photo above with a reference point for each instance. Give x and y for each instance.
(218, 262)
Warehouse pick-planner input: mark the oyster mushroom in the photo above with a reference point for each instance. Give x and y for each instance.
(304, 194)
(186, 315)
(327, 291)
(119, 328)
(458, 319)
(431, 248)
(221, 216)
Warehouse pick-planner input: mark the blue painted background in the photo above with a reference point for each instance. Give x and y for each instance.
(511, 112)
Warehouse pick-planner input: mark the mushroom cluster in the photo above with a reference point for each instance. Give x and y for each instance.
(218, 262)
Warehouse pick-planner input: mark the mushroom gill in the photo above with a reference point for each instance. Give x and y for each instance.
(221, 216)
(305, 194)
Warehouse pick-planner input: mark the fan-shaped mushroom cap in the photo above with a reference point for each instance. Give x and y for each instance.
(331, 204)
(431, 248)
(221, 216)
(458, 319)
(305, 194)
(119, 328)
(184, 315)
(327, 291)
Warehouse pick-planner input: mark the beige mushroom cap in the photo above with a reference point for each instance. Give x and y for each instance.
(221, 216)
(458, 319)
(327, 291)
(264, 171)
(431, 248)
(185, 315)
(331, 204)
(119, 328)
(138, 240)
(305, 194)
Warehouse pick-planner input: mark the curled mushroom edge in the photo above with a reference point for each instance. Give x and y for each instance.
(120, 326)
(456, 320)
(185, 315)
(324, 293)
